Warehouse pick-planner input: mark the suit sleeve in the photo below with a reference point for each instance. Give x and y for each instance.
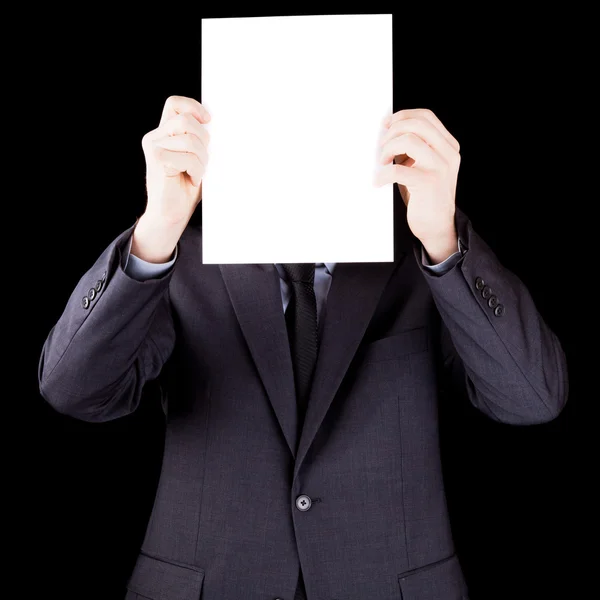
(140, 269)
(494, 342)
(115, 334)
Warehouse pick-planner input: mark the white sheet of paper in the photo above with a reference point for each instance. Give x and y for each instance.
(297, 105)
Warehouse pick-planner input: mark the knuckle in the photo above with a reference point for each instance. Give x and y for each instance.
(171, 100)
(172, 122)
(397, 126)
(404, 126)
(148, 138)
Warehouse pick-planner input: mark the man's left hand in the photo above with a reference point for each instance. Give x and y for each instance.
(423, 158)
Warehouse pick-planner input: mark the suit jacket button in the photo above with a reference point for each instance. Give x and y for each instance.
(99, 284)
(85, 302)
(486, 292)
(479, 283)
(92, 293)
(303, 502)
(104, 276)
(492, 301)
(499, 310)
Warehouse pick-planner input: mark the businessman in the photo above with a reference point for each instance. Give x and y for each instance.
(301, 455)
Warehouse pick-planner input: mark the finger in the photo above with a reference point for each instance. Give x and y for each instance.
(178, 125)
(175, 163)
(414, 147)
(409, 176)
(186, 142)
(185, 123)
(424, 113)
(175, 105)
(425, 130)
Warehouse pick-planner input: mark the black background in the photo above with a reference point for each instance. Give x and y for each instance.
(495, 80)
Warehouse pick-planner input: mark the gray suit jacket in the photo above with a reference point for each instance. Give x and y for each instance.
(356, 498)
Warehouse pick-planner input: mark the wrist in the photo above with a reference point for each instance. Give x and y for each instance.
(153, 240)
(441, 247)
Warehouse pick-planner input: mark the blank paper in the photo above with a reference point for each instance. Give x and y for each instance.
(297, 105)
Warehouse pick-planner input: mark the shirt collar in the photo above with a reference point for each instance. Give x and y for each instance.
(329, 267)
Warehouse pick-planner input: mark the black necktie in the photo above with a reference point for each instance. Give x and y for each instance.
(301, 320)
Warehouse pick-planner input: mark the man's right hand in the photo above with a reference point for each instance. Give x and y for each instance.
(176, 155)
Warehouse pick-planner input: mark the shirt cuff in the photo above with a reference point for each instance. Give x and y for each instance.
(139, 269)
(445, 265)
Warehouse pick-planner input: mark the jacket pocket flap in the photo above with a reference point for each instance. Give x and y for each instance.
(442, 580)
(161, 580)
(397, 345)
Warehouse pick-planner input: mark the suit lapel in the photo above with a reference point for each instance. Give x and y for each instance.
(256, 297)
(353, 296)
(355, 291)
